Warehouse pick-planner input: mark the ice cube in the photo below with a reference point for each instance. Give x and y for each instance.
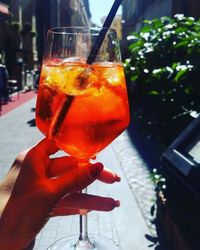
(78, 79)
(82, 80)
(113, 75)
(86, 81)
(72, 59)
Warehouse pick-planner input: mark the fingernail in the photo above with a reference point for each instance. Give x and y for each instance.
(117, 203)
(94, 157)
(95, 169)
(117, 178)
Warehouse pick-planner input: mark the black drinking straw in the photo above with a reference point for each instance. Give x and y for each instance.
(94, 51)
(102, 33)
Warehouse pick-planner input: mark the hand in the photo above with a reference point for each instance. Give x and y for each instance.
(38, 187)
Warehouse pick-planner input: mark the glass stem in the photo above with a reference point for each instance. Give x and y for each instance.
(83, 224)
(84, 242)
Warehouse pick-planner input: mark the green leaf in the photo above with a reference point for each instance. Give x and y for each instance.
(183, 43)
(147, 22)
(180, 75)
(188, 90)
(134, 78)
(145, 29)
(136, 46)
(154, 92)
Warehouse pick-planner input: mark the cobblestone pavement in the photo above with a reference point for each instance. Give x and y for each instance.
(138, 177)
(126, 225)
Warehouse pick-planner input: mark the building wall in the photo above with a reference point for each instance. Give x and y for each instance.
(14, 6)
(43, 14)
(187, 7)
(27, 11)
(156, 9)
(80, 14)
(64, 13)
(128, 13)
(135, 11)
(116, 24)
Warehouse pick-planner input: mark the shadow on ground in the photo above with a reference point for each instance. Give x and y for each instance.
(146, 146)
(150, 152)
(32, 122)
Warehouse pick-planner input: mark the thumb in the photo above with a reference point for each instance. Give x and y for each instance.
(76, 179)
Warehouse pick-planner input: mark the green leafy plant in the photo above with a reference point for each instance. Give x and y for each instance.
(163, 72)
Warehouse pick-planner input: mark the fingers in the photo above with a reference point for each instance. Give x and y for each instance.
(89, 202)
(76, 179)
(63, 211)
(38, 157)
(108, 176)
(73, 203)
(61, 165)
(45, 146)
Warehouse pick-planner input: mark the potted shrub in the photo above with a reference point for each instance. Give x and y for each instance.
(163, 70)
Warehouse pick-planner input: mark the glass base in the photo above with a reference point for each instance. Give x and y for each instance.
(96, 243)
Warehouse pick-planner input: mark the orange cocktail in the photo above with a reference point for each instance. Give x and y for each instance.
(82, 107)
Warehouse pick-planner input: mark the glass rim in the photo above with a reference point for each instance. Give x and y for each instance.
(71, 30)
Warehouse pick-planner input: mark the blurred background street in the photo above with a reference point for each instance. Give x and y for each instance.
(160, 46)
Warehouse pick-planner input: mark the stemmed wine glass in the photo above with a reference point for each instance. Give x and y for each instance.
(82, 105)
